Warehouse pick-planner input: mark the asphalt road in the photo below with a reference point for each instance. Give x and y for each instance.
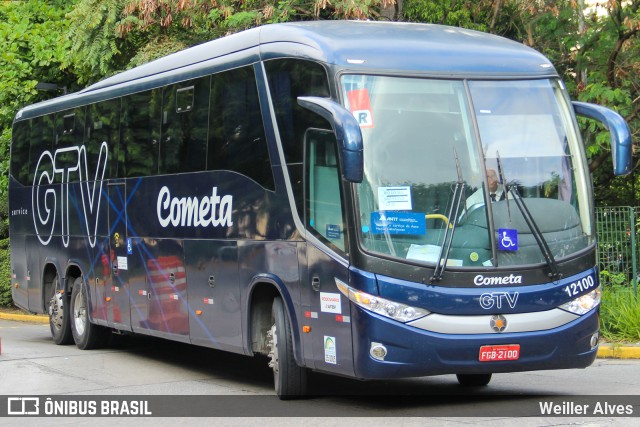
(240, 388)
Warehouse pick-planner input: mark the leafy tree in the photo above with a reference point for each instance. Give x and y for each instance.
(95, 50)
(110, 36)
(32, 47)
(609, 60)
(468, 14)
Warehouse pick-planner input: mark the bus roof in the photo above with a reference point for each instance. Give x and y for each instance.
(359, 46)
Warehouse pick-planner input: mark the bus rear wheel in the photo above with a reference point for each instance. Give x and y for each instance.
(473, 380)
(85, 334)
(290, 380)
(59, 313)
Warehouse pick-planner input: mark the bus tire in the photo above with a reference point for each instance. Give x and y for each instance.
(59, 313)
(85, 334)
(473, 380)
(290, 380)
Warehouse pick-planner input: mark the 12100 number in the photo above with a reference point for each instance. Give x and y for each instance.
(578, 286)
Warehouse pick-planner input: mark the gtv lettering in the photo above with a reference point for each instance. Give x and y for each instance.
(193, 212)
(47, 199)
(498, 299)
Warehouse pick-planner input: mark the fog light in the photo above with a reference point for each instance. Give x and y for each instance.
(594, 340)
(378, 351)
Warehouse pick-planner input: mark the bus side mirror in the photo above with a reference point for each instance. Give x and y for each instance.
(617, 127)
(347, 133)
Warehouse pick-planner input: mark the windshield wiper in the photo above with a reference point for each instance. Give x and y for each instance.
(533, 226)
(450, 227)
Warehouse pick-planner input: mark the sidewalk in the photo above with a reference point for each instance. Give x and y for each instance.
(606, 351)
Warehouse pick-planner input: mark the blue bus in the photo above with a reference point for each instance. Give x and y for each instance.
(371, 200)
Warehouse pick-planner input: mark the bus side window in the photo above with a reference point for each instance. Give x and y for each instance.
(69, 132)
(237, 139)
(102, 126)
(185, 113)
(20, 152)
(140, 126)
(289, 79)
(41, 140)
(323, 204)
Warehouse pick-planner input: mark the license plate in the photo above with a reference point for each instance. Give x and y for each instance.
(494, 353)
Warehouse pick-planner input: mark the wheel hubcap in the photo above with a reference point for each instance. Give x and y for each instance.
(272, 342)
(79, 313)
(55, 310)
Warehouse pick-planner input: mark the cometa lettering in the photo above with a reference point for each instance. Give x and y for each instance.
(480, 280)
(212, 211)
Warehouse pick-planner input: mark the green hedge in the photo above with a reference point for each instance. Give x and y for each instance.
(5, 274)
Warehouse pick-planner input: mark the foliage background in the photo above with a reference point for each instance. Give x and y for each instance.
(74, 43)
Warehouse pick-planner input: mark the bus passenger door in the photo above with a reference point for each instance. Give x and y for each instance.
(116, 291)
(329, 311)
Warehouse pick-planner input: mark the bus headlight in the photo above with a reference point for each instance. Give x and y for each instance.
(584, 303)
(391, 309)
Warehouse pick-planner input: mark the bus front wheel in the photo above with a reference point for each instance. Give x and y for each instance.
(473, 380)
(290, 380)
(85, 334)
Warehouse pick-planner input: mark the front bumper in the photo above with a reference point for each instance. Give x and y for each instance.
(413, 352)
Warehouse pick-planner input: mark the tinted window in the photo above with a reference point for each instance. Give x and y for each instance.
(20, 152)
(69, 132)
(41, 137)
(102, 126)
(236, 133)
(140, 121)
(185, 116)
(289, 79)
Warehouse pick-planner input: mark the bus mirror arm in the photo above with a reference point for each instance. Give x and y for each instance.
(621, 144)
(347, 133)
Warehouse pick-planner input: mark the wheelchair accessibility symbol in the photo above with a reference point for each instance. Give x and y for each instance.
(507, 239)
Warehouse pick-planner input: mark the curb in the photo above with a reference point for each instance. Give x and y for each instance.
(33, 318)
(617, 351)
(605, 351)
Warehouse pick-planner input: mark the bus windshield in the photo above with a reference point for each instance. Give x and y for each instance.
(500, 139)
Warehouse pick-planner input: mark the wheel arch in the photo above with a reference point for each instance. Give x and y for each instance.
(49, 271)
(73, 272)
(262, 290)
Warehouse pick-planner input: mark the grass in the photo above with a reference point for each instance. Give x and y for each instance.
(620, 314)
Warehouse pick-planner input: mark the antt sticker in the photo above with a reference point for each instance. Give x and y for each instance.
(360, 105)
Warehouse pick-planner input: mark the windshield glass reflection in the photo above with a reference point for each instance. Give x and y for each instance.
(415, 130)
